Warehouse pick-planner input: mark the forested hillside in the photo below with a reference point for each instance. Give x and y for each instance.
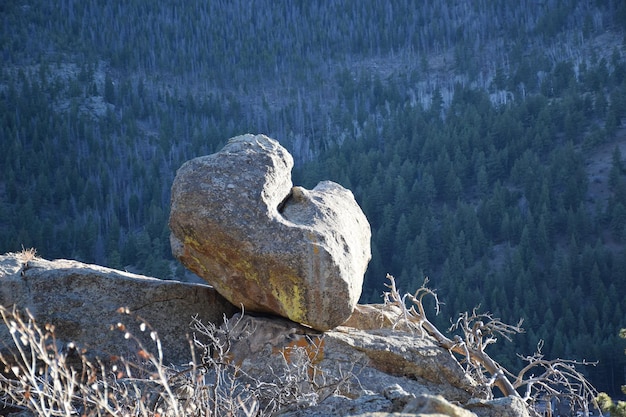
(485, 140)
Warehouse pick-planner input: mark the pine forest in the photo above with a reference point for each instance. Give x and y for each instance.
(485, 141)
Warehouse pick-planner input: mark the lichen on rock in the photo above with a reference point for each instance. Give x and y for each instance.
(238, 222)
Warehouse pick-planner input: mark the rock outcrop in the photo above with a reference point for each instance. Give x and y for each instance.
(364, 368)
(82, 300)
(238, 223)
(361, 371)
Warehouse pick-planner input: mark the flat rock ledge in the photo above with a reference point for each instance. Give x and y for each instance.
(82, 300)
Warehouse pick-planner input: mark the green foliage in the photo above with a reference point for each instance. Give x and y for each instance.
(617, 409)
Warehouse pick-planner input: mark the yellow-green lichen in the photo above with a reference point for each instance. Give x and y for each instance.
(190, 243)
(283, 285)
(290, 297)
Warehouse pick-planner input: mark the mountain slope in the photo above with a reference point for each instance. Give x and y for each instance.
(465, 130)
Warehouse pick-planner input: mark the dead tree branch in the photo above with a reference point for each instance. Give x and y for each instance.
(556, 377)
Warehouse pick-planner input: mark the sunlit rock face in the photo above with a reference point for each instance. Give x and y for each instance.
(237, 221)
(85, 302)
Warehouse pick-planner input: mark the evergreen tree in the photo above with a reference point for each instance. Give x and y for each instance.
(618, 408)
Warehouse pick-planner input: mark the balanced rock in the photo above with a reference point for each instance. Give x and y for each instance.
(237, 222)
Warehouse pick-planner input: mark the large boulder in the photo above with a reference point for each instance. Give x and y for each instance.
(238, 223)
(82, 302)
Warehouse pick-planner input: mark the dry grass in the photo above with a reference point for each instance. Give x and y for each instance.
(27, 255)
(45, 377)
(48, 378)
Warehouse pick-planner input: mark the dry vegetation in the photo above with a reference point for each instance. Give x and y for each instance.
(53, 379)
(49, 378)
(538, 380)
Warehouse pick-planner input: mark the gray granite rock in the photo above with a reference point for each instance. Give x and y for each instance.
(238, 223)
(82, 300)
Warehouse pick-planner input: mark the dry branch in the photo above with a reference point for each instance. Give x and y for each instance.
(556, 377)
(51, 380)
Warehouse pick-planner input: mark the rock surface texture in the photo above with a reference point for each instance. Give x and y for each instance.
(237, 222)
(82, 300)
(363, 368)
(361, 372)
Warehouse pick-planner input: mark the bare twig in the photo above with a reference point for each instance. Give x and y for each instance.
(41, 377)
(466, 348)
(557, 377)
